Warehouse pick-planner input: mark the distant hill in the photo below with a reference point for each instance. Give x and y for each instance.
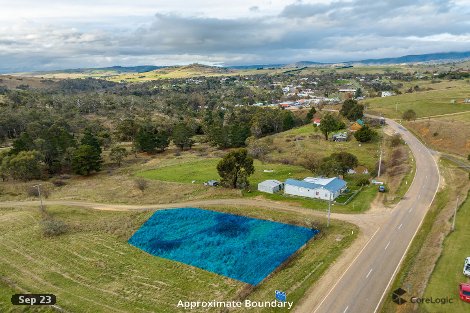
(419, 58)
(117, 69)
(256, 66)
(184, 71)
(150, 72)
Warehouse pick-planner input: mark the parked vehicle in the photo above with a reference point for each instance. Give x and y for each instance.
(381, 188)
(464, 292)
(466, 267)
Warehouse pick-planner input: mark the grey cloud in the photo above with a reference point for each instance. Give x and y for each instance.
(338, 31)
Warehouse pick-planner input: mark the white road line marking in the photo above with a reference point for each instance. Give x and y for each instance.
(399, 227)
(344, 273)
(367, 276)
(387, 245)
(345, 310)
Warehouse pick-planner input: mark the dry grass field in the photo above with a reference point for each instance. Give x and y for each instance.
(449, 134)
(92, 268)
(443, 98)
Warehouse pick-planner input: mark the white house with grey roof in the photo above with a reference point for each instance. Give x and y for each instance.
(270, 186)
(315, 187)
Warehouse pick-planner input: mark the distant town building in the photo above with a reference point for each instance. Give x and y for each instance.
(387, 94)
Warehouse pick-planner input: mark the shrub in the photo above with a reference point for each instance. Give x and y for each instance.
(34, 192)
(362, 181)
(396, 140)
(409, 115)
(141, 184)
(52, 227)
(365, 134)
(59, 182)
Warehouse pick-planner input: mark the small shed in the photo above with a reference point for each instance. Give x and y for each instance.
(270, 186)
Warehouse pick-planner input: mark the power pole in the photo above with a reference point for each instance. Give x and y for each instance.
(455, 214)
(40, 196)
(380, 162)
(381, 146)
(329, 211)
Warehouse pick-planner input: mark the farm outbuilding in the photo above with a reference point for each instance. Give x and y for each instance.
(270, 186)
(315, 187)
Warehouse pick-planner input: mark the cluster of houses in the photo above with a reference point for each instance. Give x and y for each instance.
(311, 187)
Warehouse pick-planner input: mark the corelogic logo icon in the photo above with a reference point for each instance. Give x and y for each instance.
(397, 296)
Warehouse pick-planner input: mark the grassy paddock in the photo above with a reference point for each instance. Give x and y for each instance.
(206, 169)
(425, 103)
(450, 134)
(92, 268)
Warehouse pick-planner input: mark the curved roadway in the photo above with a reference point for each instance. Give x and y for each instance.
(365, 282)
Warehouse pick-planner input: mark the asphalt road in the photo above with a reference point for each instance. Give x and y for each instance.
(365, 282)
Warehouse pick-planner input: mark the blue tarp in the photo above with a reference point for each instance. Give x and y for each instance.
(238, 247)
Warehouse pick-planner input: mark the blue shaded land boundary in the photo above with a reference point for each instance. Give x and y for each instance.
(242, 248)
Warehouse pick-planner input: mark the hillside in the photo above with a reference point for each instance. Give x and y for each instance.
(186, 71)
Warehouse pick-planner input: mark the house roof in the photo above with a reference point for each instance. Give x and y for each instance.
(335, 185)
(301, 183)
(270, 183)
(331, 184)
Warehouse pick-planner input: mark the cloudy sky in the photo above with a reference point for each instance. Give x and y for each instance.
(58, 34)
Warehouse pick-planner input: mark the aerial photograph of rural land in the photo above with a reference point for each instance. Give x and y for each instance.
(305, 156)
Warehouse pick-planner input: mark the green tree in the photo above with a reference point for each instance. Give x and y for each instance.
(89, 139)
(409, 115)
(118, 154)
(86, 159)
(346, 160)
(365, 134)
(23, 143)
(356, 112)
(329, 167)
(358, 93)
(352, 110)
(162, 140)
(330, 123)
(145, 140)
(127, 129)
(26, 165)
(235, 168)
(182, 136)
(310, 115)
